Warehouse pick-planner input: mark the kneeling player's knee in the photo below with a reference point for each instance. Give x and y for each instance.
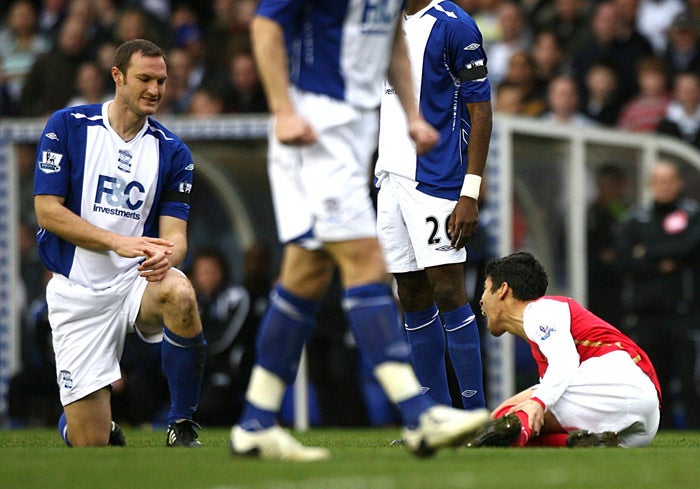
(179, 297)
(87, 437)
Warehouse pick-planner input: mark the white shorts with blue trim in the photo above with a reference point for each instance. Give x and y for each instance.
(89, 329)
(412, 227)
(321, 192)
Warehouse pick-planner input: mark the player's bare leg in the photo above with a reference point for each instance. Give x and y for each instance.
(172, 301)
(89, 420)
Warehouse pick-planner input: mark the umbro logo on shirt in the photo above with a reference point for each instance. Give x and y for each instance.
(444, 248)
(472, 47)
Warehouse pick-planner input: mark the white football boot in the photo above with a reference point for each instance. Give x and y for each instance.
(442, 426)
(273, 443)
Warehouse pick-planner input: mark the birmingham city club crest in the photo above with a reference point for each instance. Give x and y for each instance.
(124, 162)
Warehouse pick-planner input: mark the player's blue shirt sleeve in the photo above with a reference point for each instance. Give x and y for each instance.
(453, 75)
(469, 60)
(177, 185)
(175, 176)
(53, 171)
(53, 176)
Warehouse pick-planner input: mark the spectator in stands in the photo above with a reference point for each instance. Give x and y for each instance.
(131, 23)
(96, 33)
(82, 10)
(243, 92)
(20, 45)
(644, 112)
(683, 114)
(206, 102)
(683, 51)
(521, 73)
(611, 41)
(563, 102)
(89, 85)
(50, 83)
(602, 100)
(657, 254)
(183, 15)
(654, 18)
(605, 217)
(508, 99)
(104, 56)
(188, 37)
(107, 17)
(179, 93)
(569, 20)
(548, 56)
(50, 16)
(515, 36)
(628, 12)
(228, 30)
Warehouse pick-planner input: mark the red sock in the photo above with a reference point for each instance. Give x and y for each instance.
(525, 432)
(549, 440)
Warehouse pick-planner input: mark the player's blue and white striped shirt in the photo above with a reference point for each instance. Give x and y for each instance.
(448, 65)
(115, 185)
(338, 48)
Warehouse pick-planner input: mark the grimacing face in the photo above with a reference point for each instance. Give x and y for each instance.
(488, 303)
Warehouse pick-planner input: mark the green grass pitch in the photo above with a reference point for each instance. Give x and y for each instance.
(361, 459)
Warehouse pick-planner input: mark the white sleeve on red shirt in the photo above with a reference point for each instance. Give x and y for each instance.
(547, 323)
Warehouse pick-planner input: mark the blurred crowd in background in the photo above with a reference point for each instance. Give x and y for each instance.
(632, 64)
(628, 64)
(55, 53)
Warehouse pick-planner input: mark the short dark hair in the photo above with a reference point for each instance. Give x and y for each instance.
(522, 272)
(122, 58)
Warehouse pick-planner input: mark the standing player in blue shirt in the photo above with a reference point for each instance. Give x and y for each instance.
(322, 64)
(112, 201)
(427, 204)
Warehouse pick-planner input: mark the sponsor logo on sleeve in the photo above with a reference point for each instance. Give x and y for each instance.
(52, 136)
(50, 162)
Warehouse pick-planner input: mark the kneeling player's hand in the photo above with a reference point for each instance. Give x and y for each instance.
(156, 265)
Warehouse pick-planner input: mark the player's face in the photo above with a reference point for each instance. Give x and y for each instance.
(489, 307)
(143, 86)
